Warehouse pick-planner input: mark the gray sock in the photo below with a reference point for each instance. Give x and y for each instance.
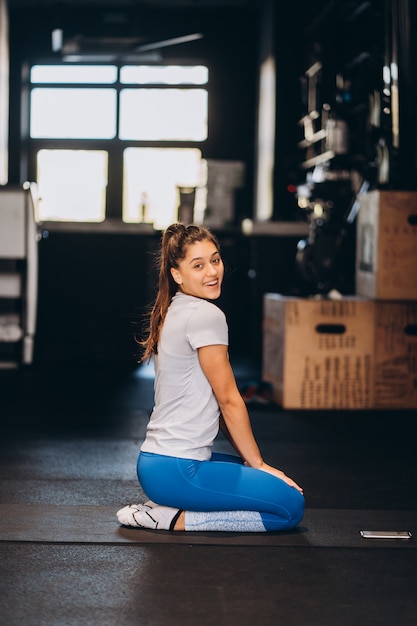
(231, 521)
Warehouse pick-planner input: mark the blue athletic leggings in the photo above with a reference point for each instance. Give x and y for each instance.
(221, 484)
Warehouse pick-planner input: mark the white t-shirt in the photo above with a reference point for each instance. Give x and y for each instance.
(185, 419)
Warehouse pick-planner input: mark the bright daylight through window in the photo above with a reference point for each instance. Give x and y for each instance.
(79, 114)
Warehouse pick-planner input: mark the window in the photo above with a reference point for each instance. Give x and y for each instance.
(72, 185)
(151, 180)
(138, 128)
(163, 114)
(73, 113)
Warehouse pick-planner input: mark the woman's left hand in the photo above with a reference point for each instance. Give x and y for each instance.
(280, 474)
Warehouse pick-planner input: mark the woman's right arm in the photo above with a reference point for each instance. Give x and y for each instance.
(216, 366)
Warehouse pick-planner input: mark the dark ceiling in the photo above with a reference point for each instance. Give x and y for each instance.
(151, 22)
(56, 4)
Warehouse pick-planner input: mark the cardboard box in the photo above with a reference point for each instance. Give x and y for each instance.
(386, 245)
(396, 355)
(319, 354)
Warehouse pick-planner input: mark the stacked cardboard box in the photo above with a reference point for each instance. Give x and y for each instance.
(386, 270)
(359, 352)
(318, 354)
(386, 250)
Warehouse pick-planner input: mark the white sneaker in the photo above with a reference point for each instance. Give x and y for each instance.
(126, 515)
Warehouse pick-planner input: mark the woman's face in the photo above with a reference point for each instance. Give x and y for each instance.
(200, 273)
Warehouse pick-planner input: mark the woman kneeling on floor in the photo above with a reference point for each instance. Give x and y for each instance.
(191, 487)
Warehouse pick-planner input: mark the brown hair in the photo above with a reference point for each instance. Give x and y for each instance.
(175, 240)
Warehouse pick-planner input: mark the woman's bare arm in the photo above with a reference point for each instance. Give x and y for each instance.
(215, 364)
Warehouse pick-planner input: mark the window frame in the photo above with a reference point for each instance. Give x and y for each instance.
(114, 147)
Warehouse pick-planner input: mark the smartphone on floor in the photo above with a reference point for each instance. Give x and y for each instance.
(386, 534)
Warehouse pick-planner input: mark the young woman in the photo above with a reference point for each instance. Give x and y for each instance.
(189, 486)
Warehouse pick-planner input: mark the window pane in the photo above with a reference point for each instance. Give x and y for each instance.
(73, 113)
(168, 75)
(151, 177)
(163, 114)
(73, 74)
(72, 185)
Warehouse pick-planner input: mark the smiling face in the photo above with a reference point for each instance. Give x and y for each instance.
(200, 273)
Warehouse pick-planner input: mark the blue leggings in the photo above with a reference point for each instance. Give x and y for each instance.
(221, 484)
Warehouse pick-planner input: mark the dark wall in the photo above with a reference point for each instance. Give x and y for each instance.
(95, 290)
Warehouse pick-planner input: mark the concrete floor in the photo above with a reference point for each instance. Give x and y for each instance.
(69, 445)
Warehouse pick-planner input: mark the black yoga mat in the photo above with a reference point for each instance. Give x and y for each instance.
(99, 525)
